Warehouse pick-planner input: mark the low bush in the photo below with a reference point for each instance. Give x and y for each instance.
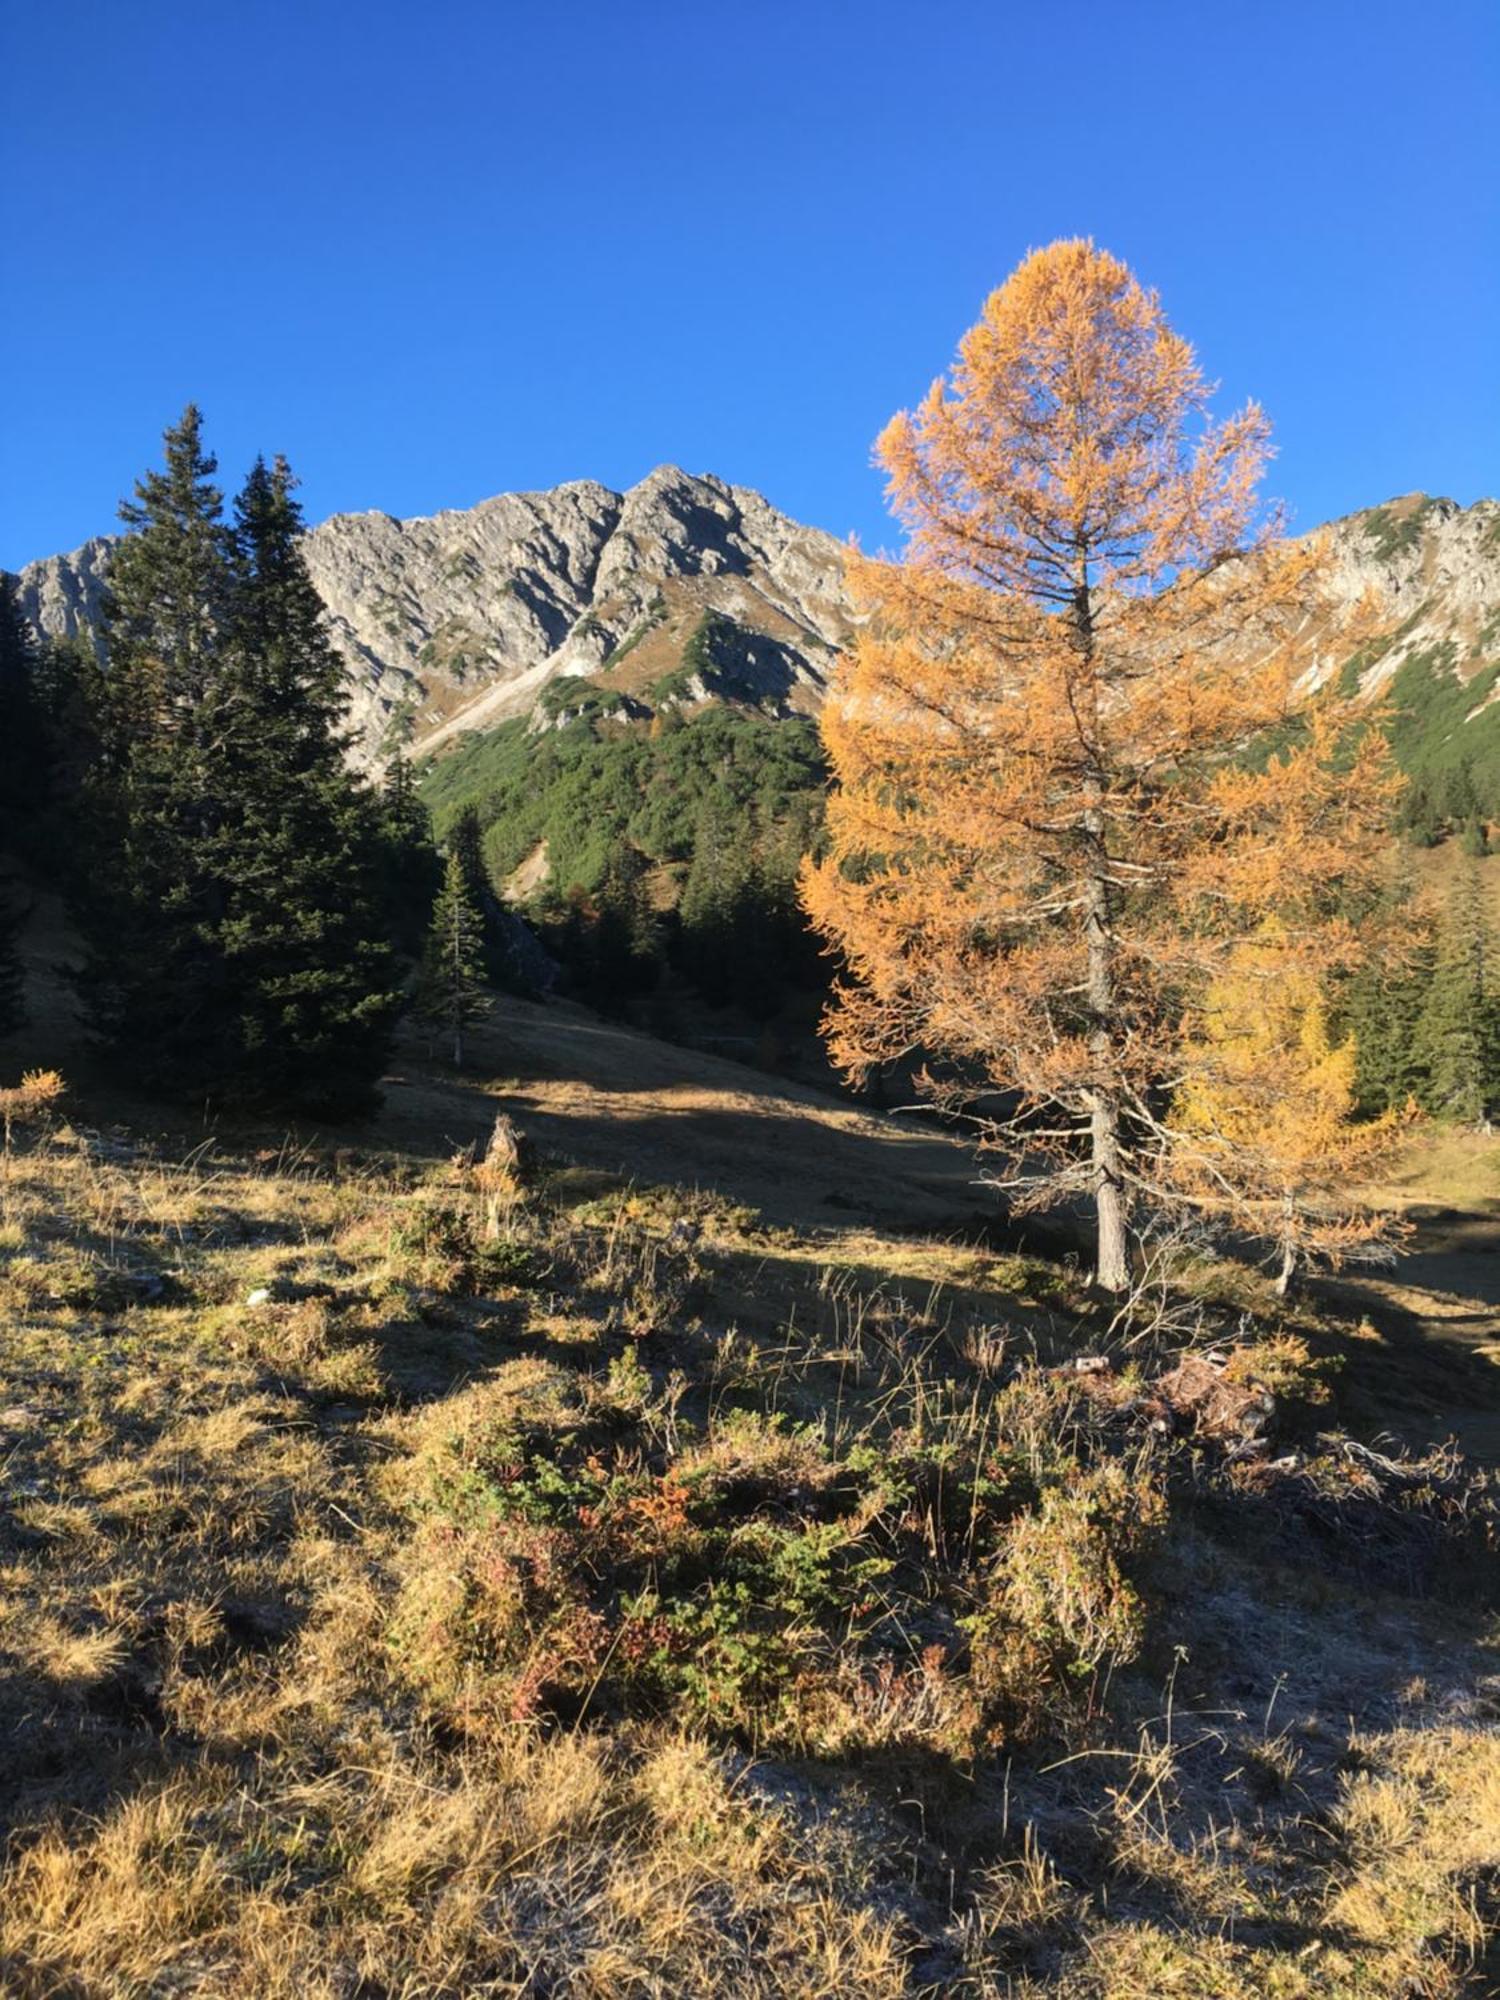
(953, 1589)
(438, 1242)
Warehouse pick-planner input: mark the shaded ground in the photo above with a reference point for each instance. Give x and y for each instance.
(1436, 1315)
(1421, 1344)
(613, 1098)
(1431, 1352)
(606, 1096)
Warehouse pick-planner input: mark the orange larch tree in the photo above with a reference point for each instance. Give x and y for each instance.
(1048, 829)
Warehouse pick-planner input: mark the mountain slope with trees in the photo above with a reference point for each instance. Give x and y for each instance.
(580, 603)
(583, 672)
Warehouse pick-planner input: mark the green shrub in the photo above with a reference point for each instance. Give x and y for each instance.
(438, 1244)
(950, 1589)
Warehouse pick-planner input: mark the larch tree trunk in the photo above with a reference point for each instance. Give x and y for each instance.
(1111, 1265)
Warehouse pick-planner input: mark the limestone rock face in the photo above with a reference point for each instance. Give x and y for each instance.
(685, 589)
(61, 595)
(1426, 573)
(460, 620)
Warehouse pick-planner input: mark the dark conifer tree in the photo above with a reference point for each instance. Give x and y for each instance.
(73, 702)
(466, 840)
(451, 989)
(231, 904)
(743, 936)
(1418, 817)
(705, 908)
(1460, 795)
(412, 868)
(23, 748)
(170, 580)
(12, 988)
(22, 764)
(608, 939)
(1381, 1007)
(624, 948)
(1457, 1037)
(298, 846)
(147, 901)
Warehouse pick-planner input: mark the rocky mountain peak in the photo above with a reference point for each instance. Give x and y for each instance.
(579, 599)
(1424, 574)
(457, 620)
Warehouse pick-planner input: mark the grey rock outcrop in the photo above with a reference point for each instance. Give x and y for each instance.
(457, 621)
(685, 589)
(61, 596)
(1423, 575)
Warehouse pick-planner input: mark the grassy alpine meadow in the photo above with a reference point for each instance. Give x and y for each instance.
(429, 1568)
(749, 1005)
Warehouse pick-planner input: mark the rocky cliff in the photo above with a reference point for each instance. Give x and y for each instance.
(583, 600)
(461, 620)
(1428, 571)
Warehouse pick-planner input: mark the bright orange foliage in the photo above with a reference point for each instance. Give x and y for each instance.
(1043, 844)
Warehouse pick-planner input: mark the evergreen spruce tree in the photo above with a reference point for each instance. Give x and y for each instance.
(466, 840)
(170, 579)
(1457, 1037)
(1380, 1009)
(766, 923)
(624, 949)
(72, 702)
(1418, 816)
(705, 910)
(230, 899)
(298, 847)
(741, 927)
(566, 919)
(146, 899)
(1460, 796)
(412, 868)
(451, 988)
(802, 957)
(21, 766)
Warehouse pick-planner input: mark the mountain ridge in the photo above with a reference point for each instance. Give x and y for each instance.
(460, 618)
(578, 600)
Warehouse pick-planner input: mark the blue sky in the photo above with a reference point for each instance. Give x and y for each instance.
(433, 252)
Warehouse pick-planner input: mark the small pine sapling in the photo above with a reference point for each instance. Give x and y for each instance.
(451, 989)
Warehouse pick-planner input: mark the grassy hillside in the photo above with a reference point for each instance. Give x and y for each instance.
(1446, 735)
(609, 770)
(582, 789)
(656, 1574)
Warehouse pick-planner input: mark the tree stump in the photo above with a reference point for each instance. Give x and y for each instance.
(505, 1171)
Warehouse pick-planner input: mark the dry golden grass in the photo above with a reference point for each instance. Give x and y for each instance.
(228, 1773)
(1444, 1166)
